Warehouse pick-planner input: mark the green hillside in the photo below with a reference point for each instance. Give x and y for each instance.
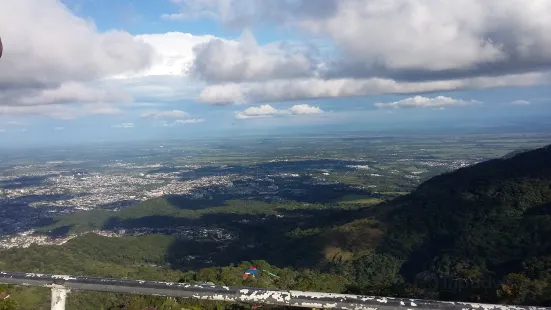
(481, 233)
(488, 225)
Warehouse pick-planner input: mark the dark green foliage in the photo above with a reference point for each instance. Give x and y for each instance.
(8, 304)
(481, 233)
(5, 302)
(474, 226)
(131, 257)
(373, 273)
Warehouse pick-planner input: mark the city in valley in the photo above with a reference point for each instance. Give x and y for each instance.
(198, 178)
(280, 154)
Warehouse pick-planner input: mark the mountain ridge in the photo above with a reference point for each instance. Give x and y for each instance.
(491, 219)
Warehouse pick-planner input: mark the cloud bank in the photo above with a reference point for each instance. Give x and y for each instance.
(171, 118)
(165, 114)
(188, 121)
(267, 110)
(241, 61)
(378, 47)
(48, 52)
(521, 102)
(124, 125)
(424, 102)
(57, 64)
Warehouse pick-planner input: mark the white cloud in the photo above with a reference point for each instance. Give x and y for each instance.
(60, 111)
(180, 117)
(229, 61)
(380, 47)
(267, 110)
(183, 122)
(15, 124)
(165, 114)
(69, 100)
(241, 13)
(171, 57)
(285, 90)
(173, 53)
(53, 57)
(54, 111)
(520, 102)
(402, 34)
(189, 121)
(223, 94)
(124, 125)
(80, 65)
(424, 102)
(424, 35)
(59, 128)
(99, 109)
(72, 92)
(304, 109)
(46, 45)
(168, 79)
(258, 112)
(159, 88)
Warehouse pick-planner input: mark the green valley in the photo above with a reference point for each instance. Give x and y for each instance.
(480, 233)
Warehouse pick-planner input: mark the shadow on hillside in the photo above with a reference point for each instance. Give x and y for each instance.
(267, 238)
(163, 170)
(25, 181)
(117, 205)
(232, 219)
(261, 187)
(17, 214)
(273, 190)
(305, 252)
(226, 204)
(544, 209)
(268, 168)
(253, 236)
(188, 203)
(60, 231)
(488, 231)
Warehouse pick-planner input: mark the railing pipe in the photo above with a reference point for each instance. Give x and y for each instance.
(61, 285)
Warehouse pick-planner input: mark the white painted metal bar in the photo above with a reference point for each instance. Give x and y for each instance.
(61, 285)
(59, 297)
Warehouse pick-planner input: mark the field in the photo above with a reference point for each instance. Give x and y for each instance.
(359, 199)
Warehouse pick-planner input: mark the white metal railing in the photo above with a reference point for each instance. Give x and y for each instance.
(61, 285)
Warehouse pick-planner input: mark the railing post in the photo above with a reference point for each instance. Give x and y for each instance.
(61, 285)
(59, 296)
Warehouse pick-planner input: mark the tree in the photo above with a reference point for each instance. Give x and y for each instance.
(516, 288)
(374, 272)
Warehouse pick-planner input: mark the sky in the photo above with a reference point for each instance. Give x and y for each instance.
(115, 70)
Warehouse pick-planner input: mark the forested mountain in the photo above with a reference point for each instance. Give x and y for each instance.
(481, 233)
(479, 226)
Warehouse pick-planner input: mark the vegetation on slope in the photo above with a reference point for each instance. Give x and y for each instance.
(141, 258)
(194, 211)
(485, 228)
(480, 233)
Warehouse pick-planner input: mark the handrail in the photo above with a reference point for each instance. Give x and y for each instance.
(61, 285)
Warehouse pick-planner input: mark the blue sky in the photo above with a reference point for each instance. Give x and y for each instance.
(139, 69)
